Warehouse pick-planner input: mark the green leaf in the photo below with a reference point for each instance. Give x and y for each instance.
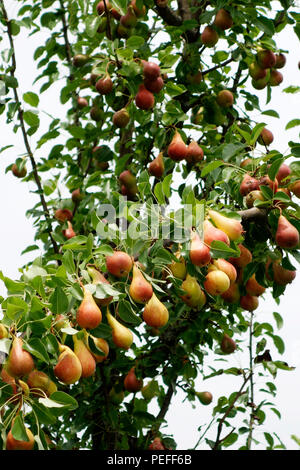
(63, 399)
(220, 249)
(272, 113)
(292, 123)
(134, 42)
(211, 166)
(68, 262)
(36, 347)
(264, 24)
(31, 98)
(256, 132)
(59, 301)
(291, 89)
(127, 314)
(92, 23)
(31, 119)
(18, 429)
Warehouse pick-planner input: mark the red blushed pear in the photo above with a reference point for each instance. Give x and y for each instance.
(87, 361)
(261, 83)
(40, 384)
(8, 379)
(62, 215)
(195, 153)
(228, 345)
(295, 188)
(266, 137)
(15, 444)
(287, 236)
(253, 287)
(157, 444)
(243, 259)
(129, 20)
(155, 313)
(248, 184)
(280, 61)
(155, 86)
(131, 383)
(140, 290)
(177, 149)
(257, 72)
(69, 231)
(104, 85)
(19, 362)
(249, 302)
(151, 70)
(216, 282)
(157, 167)
(121, 118)
(266, 181)
(266, 58)
(283, 173)
(225, 266)
(232, 227)
(281, 275)
(232, 295)
(225, 99)
(82, 102)
(209, 36)
(276, 78)
(212, 233)
(223, 19)
(194, 296)
(144, 98)
(199, 252)
(68, 368)
(119, 264)
(88, 314)
(122, 337)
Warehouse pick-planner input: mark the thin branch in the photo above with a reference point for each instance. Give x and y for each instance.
(24, 133)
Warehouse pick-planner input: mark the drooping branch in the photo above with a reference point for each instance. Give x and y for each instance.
(24, 132)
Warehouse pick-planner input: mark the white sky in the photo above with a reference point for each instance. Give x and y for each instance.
(17, 233)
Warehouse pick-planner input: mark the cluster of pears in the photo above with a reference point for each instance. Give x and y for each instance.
(120, 25)
(264, 69)
(152, 83)
(65, 216)
(222, 21)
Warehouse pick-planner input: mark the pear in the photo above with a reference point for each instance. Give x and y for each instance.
(281, 275)
(232, 295)
(144, 98)
(116, 396)
(19, 361)
(253, 196)
(225, 99)
(87, 361)
(140, 290)
(194, 152)
(129, 20)
(253, 287)
(243, 259)
(15, 444)
(228, 345)
(232, 227)
(204, 397)
(156, 444)
(68, 368)
(249, 302)
(225, 266)
(3, 331)
(155, 86)
(266, 137)
(287, 236)
(276, 77)
(77, 195)
(157, 167)
(98, 278)
(280, 61)
(82, 102)
(266, 59)
(223, 19)
(8, 379)
(178, 268)
(119, 264)
(295, 188)
(150, 390)
(212, 233)
(69, 232)
(131, 383)
(40, 383)
(121, 335)
(121, 118)
(194, 295)
(283, 172)
(199, 252)
(62, 215)
(103, 346)
(177, 149)
(88, 314)
(256, 72)
(104, 85)
(155, 313)
(248, 185)
(19, 172)
(151, 70)
(209, 37)
(216, 282)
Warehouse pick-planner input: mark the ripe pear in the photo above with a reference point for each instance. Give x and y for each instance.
(80, 60)
(249, 302)
(194, 295)
(266, 137)
(68, 368)
(82, 102)
(139, 12)
(87, 361)
(266, 58)
(287, 236)
(19, 172)
(261, 83)
(232, 227)
(151, 70)
(144, 99)
(228, 345)
(104, 85)
(253, 196)
(129, 20)
(155, 313)
(204, 397)
(199, 252)
(216, 282)
(40, 384)
(276, 77)
(212, 233)
(98, 278)
(295, 188)
(281, 275)
(88, 314)
(103, 345)
(223, 19)
(131, 383)
(232, 295)
(209, 37)
(157, 167)
(257, 72)
(156, 444)
(283, 172)
(243, 259)
(248, 184)
(3, 331)
(62, 215)
(119, 264)
(155, 86)
(280, 61)
(194, 152)
(121, 118)
(19, 361)
(225, 266)
(178, 268)
(225, 98)
(266, 181)
(177, 149)
(253, 287)
(121, 335)
(5, 377)
(140, 290)
(14, 444)
(69, 232)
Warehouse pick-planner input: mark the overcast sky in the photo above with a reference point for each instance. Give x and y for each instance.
(17, 233)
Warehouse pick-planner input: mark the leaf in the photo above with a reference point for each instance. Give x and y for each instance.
(61, 399)
(222, 250)
(59, 301)
(92, 23)
(31, 98)
(127, 314)
(18, 429)
(292, 123)
(134, 42)
(256, 132)
(278, 319)
(291, 89)
(31, 119)
(272, 113)
(211, 166)
(36, 347)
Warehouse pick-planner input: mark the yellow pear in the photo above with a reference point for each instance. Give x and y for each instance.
(194, 296)
(155, 313)
(140, 290)
(232, 227)
(121, 335)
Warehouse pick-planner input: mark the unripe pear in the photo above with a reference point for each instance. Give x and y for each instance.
(253, 287)
(228, 345)
(194, 295)
(248, 185)
(19, 362)
(194, 152)
(199, 252)
(209, 36)
(212, 233)
(40, 384)
(157, 167)
(287, 236)
(19, 173)
(178, 268)
(249, 302)
(121, 335)
(80, 60)
(243, 259)
(3, 331)
(144, 98)
(87, 361)
(131, 383)
(121, 118)
(68, 368)
(204, 397)
(15, 444)
(119, 264)
(232, 227)
(155, 313)
(223, 19)
(96, 113)
(88, 314)
(225, 98)
(116, 397)
(266, 58)
(255, 195)
(216, 282)
(177, 149)
(140, 290)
